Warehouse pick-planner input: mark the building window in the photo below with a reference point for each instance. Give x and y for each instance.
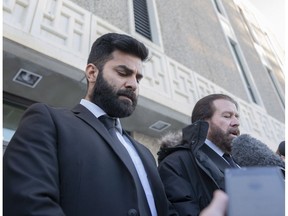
(276, 86)
(11, 117)
(13, 109)
(141, 17)
(237, 56)
(218, 6)
(248, 19)
(145, 23)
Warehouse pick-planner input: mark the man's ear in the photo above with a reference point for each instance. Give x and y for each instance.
(91, 73)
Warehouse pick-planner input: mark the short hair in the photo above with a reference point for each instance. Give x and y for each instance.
(204, 108)
(281, 148)
(103, 47)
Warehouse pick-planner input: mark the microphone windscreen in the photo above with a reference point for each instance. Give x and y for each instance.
(248, 151)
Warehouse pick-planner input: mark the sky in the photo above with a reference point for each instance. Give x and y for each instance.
(273, 12)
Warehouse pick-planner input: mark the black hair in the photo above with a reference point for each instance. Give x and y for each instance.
(103, 47)
(281, 149)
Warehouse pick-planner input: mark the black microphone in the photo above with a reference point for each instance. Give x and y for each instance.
(248, 151)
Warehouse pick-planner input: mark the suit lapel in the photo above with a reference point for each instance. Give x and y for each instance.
(153, 176)
(219, 161)
(84, 114)
(146, 158)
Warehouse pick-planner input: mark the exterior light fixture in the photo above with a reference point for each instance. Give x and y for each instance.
(160, 126)
(27, 78)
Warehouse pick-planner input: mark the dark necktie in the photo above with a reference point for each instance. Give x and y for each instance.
(229, 159)
(110, 124)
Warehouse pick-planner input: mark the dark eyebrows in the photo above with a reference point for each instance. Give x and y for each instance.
(123, 67)
(129, 71)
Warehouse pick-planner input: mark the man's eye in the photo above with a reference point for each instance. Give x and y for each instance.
(121, 72)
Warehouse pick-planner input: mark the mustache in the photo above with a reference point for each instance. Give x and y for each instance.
(127, 93)
(235, 131)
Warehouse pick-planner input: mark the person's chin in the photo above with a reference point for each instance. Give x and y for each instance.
(127, 106)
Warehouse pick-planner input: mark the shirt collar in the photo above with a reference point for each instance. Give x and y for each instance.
(97, 112)
(214, 147)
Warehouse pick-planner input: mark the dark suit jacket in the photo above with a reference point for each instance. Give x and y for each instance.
(64, 163)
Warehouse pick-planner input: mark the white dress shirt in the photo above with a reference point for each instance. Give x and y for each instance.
(214, 147)
(217, 150)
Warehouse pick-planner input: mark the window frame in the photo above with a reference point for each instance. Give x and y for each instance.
(156, 41)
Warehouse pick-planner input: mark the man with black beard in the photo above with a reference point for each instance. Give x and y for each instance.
(192, 163)
(80, 161)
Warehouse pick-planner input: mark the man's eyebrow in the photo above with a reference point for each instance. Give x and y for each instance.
(124, 67)
(231, 113)
(129, 70)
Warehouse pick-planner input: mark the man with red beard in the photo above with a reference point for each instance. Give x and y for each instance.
(192, 163)
(80, 162)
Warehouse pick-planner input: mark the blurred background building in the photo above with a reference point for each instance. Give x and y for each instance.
(196, 48)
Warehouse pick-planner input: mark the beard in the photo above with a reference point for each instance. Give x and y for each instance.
(107, 98)
(220, 138)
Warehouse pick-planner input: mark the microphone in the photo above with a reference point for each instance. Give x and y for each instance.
(248, 151)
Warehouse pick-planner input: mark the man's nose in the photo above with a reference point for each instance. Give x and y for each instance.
(132, 83)
(235, 121)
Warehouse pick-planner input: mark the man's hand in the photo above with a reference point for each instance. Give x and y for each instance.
(218, 205)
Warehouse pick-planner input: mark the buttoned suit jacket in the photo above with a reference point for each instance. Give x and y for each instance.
(63, 162)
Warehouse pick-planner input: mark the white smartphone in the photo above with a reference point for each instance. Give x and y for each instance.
(255, 191)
